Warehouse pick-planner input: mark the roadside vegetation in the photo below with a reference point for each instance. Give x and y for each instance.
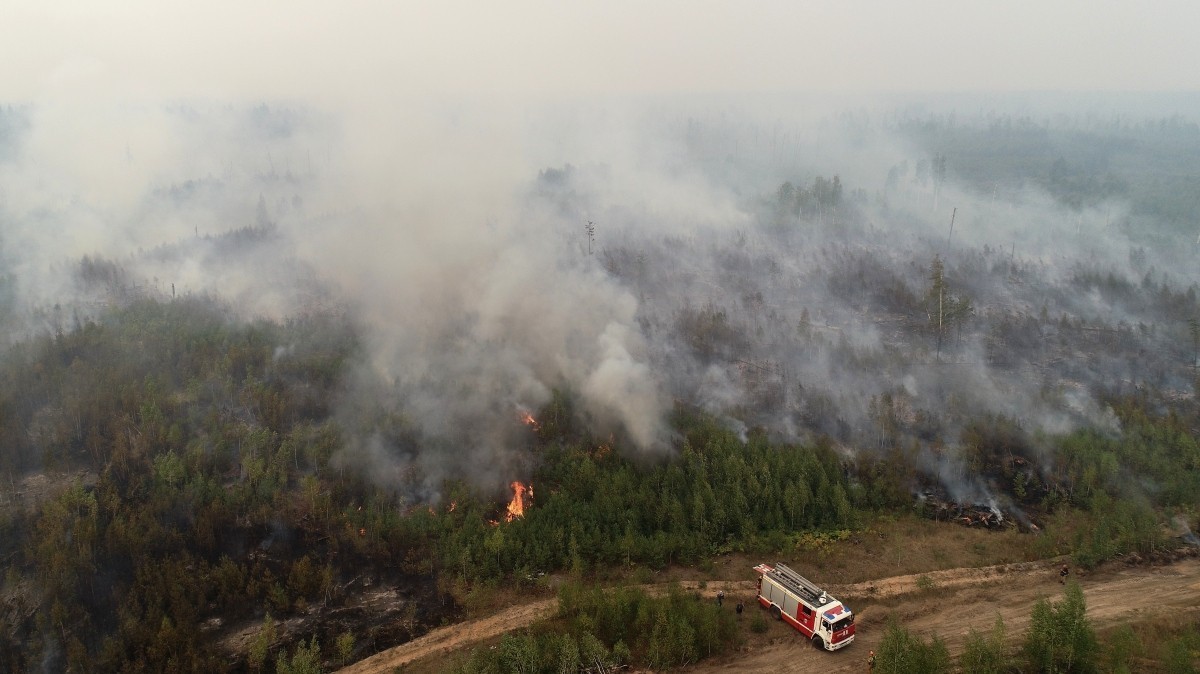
(599, 630)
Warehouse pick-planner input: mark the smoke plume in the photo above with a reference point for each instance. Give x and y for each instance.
(771, 268)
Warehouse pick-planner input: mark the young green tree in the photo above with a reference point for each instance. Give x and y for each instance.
(901, 652)
(984, 653)
(1181, 653)
(1121, 648)
(345, 646)
(568, 655)
(262, 643)
(305, 660)
(594, 655)
(1061, 638)
(519, 653)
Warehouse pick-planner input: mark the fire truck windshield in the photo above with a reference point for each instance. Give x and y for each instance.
(843, 623)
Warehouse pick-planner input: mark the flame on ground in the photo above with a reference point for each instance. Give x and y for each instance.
(516, 507)
(528, 420)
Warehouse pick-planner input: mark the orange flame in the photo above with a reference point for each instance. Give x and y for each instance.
(516, 507)
(528, 420)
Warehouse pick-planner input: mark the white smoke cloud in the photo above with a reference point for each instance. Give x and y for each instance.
(480, 292)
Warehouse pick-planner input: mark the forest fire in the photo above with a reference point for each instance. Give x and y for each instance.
(516, 507)
(987, 516)
(605, 448)
(528, 420)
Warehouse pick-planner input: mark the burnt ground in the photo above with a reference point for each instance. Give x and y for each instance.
(379, 611)
(33, 489)
(380, 607)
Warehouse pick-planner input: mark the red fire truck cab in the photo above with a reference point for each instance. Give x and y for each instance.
(812, 611)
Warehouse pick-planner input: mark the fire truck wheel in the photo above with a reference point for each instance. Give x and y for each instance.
(776, 613)
(818, 643)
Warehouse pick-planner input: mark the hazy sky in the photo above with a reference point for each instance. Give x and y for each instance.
(302, 48)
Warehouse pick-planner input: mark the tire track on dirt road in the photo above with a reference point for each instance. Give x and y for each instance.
(960, 600)
(947, 603)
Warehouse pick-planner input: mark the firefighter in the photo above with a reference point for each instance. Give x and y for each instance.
(739, 608)
(871, 661)
(720, 597)
(1062, 575)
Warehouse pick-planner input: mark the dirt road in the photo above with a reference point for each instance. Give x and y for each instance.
(947, 603)
(964, 599)
(447, 639)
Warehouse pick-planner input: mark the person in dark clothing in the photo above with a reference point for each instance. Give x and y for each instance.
(739, 608)
(720, 597)
(1062, 575)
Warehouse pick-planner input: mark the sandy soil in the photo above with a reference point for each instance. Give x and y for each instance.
(946, 603)
(965, 599)
(447, 639)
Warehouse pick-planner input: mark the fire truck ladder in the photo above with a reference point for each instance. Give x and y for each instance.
(800, 584)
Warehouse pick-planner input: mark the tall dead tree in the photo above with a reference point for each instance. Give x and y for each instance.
(935, 301)
(1194, 328)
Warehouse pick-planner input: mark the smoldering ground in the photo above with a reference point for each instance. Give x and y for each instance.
(638, 255)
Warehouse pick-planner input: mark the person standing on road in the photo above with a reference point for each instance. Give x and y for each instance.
(871, 662)
(1062, 575)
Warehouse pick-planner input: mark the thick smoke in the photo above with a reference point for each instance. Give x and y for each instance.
(476, 301)
(636, 255)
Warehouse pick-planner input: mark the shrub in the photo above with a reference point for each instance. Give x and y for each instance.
(1060, 638)
(758, 624)
(901, 652)
(984, 653)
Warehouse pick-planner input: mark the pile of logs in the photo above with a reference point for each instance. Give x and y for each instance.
(966, 514)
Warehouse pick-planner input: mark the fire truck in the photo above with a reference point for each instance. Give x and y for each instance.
(795, 599)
